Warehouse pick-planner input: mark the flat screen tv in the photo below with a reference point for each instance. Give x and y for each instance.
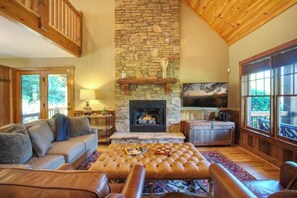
(209, 94)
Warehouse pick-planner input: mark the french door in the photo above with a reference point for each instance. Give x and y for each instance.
(43, 92)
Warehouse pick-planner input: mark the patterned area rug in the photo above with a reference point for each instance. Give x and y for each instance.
(161, 187)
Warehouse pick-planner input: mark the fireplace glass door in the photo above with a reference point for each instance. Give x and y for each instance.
(147, 115)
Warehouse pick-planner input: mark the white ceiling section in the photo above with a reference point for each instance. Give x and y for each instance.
(17, 41)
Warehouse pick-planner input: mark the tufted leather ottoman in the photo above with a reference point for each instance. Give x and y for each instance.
(185, 162)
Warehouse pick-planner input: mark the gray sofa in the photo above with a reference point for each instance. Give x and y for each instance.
(33, 145)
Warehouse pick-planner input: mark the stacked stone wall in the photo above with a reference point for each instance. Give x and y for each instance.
(147, 31)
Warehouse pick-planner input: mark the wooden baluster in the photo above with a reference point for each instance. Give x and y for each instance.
(56, 13)
(63, 18)
(67, 20)
(44, 15)
(79, 29)
(52, 14)
(71, 24)
(60, 15)
(35, 6)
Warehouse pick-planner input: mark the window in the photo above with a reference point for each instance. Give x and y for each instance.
(285, 65)
(257, 85)
(43, 92)
(269, 94)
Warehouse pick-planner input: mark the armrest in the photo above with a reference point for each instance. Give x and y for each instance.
(226, 185)
(23, 166)
(288, 172)
(134, 182)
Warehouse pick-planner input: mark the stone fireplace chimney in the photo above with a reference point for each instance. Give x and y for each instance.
(147, 32)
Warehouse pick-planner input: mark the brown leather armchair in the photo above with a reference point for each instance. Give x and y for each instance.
(23, 183)
(226, 185)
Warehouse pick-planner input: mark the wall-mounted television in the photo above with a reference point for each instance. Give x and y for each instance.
(206, 94)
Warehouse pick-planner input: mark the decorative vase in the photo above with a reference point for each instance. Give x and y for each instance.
(164, 72)
(164, 64)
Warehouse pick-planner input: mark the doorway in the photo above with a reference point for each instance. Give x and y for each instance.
(42, 92)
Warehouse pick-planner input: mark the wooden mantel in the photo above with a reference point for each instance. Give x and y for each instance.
(125, 83)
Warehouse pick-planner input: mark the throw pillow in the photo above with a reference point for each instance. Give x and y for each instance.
(80, 126)
(40, 141)
(15, 145)
(45, 127)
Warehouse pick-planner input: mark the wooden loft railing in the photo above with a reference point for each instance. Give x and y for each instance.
(56, 20)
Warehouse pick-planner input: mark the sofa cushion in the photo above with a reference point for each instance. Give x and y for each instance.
(70, 150)
(45, 127)
(39, 138)
(15, 144)
(79, 126)
(89, 140)
(50, 162)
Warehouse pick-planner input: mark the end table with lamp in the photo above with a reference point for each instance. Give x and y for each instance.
(87, 94)
(104, 122)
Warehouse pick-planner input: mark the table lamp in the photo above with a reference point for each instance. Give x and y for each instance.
(87, 94)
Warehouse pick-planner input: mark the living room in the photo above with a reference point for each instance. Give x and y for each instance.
(201, 55)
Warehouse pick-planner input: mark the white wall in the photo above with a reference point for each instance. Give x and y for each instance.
(277, 31)
(204, 55)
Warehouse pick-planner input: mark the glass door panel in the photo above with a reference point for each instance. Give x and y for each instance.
(30, 97)
(41, 93)
(57, 94)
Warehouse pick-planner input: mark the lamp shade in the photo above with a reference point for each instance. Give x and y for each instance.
(87, 94)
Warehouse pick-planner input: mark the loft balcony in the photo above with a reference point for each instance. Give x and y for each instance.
(54, 21)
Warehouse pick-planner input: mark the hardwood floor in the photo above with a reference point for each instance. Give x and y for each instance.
(253, 164)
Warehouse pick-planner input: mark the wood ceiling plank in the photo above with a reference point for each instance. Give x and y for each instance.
(215, 11)
(252, 13)
(210, 9)
(202, 7)
(252, 25)
(223, 21)
(234, 19)
(253, 18)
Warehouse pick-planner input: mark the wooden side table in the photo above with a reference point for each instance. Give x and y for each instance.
(104, 125)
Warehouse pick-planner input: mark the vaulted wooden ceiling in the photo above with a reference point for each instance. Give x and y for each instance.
(234, 19)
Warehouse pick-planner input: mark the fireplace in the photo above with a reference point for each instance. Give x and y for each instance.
(147, 115)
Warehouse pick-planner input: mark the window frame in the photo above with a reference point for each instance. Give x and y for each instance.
(43, 72)
(274, 93)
